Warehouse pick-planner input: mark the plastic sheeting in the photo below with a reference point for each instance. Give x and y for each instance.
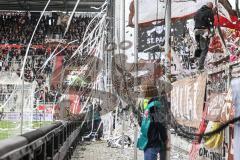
(235, 84)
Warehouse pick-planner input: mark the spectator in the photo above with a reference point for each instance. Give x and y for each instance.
(204, 29)
(17, 28)
(153, 138)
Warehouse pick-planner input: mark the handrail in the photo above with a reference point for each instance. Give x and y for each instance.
(53, 142)
(223, 67)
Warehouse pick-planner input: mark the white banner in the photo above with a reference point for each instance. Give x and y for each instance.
(209, 154)
(187, 100)
(152, 10)
(28, 116)
(215, 105)
(55, 41)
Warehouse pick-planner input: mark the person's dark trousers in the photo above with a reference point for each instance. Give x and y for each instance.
(1, 116)
(96, 124)
(203, 44)
(97, 127)
(151, 154)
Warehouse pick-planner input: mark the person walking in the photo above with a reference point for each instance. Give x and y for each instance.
(204, 30)
(1, 112)
(153, 137)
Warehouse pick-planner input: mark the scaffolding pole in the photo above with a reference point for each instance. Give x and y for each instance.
(123, 52)
(136, 69)
(167, 39)
(22, 106)
(168, 59)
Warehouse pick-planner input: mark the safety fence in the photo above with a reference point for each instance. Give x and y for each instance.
(53, 142)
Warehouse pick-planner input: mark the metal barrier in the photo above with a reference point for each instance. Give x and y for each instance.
(53, 142)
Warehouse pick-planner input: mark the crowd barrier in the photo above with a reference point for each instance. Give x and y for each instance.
(53, 142)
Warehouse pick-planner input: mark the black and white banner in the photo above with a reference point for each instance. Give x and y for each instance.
(152, 39)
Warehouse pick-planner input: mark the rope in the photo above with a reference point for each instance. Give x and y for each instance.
(174, 124)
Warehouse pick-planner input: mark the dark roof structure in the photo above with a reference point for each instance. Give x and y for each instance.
(55, 5)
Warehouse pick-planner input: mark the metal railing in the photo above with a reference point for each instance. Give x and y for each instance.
(53, 142)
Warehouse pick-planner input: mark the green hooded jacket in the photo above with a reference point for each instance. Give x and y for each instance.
(143, 139)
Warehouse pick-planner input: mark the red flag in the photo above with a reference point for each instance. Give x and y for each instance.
(41, 108)
(234, 23)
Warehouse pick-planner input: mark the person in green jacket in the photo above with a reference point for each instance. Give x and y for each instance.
(153, 136)
(1, 112)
